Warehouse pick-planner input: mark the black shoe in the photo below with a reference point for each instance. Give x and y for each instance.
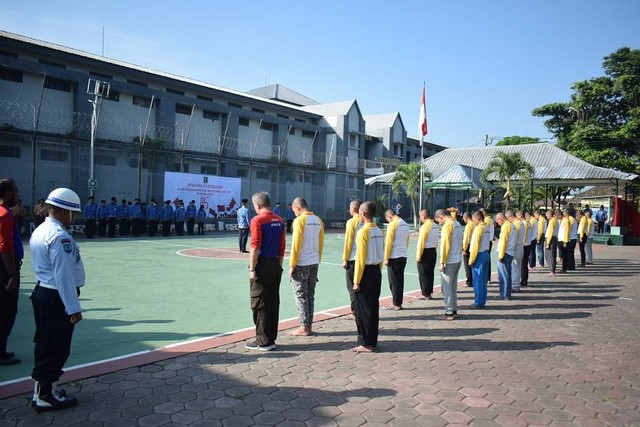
(53, 402)
(9, 358)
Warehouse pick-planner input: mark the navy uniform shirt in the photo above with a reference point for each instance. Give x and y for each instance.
(124, 211)
(180, 213)
(136, 210)
(90, 211)
(166, 213)
(191, 211)
(202, 215)
(153, 212)
(112, 210)
(102, 212)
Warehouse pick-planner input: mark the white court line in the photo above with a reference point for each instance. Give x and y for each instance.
(625, 298)
(167, 243)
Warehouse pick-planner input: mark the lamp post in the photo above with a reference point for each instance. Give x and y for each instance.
(99, 90)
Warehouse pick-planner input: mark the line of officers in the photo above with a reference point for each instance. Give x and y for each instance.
(137, 218)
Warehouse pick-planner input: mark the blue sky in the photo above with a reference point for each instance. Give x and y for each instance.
(486, 64)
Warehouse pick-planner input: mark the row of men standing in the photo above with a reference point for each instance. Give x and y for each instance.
(138, 218)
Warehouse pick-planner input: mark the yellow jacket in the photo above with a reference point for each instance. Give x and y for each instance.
(425, 230)
(566, 229)
(476, 240)
(466, 237)
(542, 226)
(350, 237)
(583, 227)
(505, 232)
(551, 229)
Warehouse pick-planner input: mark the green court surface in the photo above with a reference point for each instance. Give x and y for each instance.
(141, 294)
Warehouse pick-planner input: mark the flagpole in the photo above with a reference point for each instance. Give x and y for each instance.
(421, 171)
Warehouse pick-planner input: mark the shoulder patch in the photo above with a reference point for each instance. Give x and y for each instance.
(66, 245)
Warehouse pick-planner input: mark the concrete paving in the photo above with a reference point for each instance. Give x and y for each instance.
(563, 352)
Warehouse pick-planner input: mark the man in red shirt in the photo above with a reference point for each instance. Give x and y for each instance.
(11, 254)
(265, 271)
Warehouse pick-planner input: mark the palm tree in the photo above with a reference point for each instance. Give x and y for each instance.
(507, 166)
(407, 177)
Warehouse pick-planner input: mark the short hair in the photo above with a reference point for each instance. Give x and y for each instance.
(508, 213)
(426, 213)
(442, 212)
(104, 201)
(355, 204)
(7, 185)
(113, 199)
(479, 215)
(389, 212)
(262, 199)
(300, 201)
(245, 201)
(368, 209)
(466, 215)
(500, 215)
(483, 210)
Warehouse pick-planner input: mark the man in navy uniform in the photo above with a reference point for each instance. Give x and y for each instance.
(135, 213)
(124, 213)
(243, 226)
(90, 215)
(180, 215)
(202, 217)
(191, 217)
(166, 214)
(112, 216)
(59, 275)
(153, 216)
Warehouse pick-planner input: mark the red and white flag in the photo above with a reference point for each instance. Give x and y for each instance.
(422, 125)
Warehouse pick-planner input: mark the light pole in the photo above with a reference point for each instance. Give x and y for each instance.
(99, 90)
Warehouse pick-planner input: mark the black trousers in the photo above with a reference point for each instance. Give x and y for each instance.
(201, 228)
(600, 227)
(583, 255)
(532, 253)
(571, 255)
(8, 305)
(191, 222)
(395, 274)
(136, 226)
(53, 335)
(426, 273)
(564, 255)
(551, 254)
(349, 276)
(467, 269)
(265, 300)
(289, 224)
(524, 266)
(112, 226)
(124, 228)
(166, 227)
(243, 235)
(90, 228)
(367, 302)
(180, 228)
(102, 227)
(152, 228)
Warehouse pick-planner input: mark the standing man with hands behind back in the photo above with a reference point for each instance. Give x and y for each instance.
(59, 275)
(265, 271)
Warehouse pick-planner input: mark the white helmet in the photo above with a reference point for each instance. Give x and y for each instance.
(65, 199)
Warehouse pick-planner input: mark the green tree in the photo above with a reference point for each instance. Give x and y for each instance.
(601, 121)
(506, 167)
(518, 140)
(407, 177)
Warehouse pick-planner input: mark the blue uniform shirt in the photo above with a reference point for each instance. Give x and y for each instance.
(243, 217)
(202, 215)
(102, 212)
(136, 210)
(191, 211)
(90, 211)
(124, 211)
(166, 213)
(290, 214)
(180, 213)
(57, 263)
(153, 212)
(112, 210)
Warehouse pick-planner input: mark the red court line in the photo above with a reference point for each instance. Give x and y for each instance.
(177, 350)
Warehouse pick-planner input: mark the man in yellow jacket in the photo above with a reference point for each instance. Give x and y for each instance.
(564, 239)
(349, 251)
(591, 225)
(466, 241)
(395, 256)
(367, 279)
(540, 236)
(583, 234)
(479, 258)
(426, 253)
(450, 259)
(506, 252)
(306, 254)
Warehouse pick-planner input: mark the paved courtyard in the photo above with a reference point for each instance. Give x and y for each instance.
(565, 351)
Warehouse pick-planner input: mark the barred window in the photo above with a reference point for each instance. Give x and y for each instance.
(283, 116)
(114, 96)
(183, 109)
(185, 167)
(136, 82)
(106, 160)
(243, 121)
(10, 151)
(210, 115)
(234, 105)
(204, 98)
(11, 75)
(257, 110)
(263, 175)
(101, 75)
(142, 101)
(301, 120)
(208, 170)
(175, 91)
(51, 63)
(57, 84)
(242, 172)
(292, 130)
(308, 134)
(54, 155)
(267, 126)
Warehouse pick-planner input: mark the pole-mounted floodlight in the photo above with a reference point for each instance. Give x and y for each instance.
(99, 90)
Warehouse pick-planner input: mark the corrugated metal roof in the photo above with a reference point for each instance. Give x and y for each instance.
(552, 165)
(459, 176)
(332, 109)
(119, 63)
